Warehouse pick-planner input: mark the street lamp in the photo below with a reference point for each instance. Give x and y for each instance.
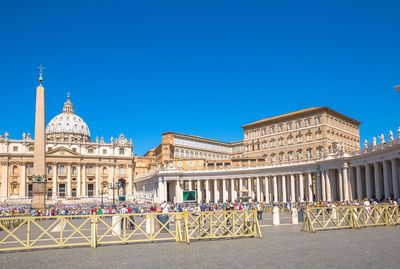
(397, 88)
(113, 187)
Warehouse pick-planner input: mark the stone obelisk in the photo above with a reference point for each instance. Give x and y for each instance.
(39, 155)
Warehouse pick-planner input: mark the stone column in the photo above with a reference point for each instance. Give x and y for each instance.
(346, 184)
(266, 190)
(377, 179)
(386, 179)
(323, 185)
(309, 188)
(69, 180)
(359, 183)
(341, 197)
(97, 178)
(284, 199)
(207, 189)
(328, 186)
(240, 187)
(178, 191)
(190, 184)
(301, 187)
(199, 192)
(78, 180)
(395, 178)
(4, 179)
(55, 189)
(233, 194)
(216, 196)
(165, 190)
(22, 188)
(275, 183)
(258, 189)
(224, 192)
(84, 185)
(249, 188)
(161, 191)
(130, 181)
(368, 181)
(292, 189)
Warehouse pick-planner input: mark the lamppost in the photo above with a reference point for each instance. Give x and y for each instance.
(114, 187)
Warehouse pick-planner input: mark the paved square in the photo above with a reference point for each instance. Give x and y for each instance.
(282, 247)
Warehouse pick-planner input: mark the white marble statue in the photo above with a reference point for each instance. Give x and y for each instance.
(365, 143)
(391, 135)
(382, 138)
(374, 141)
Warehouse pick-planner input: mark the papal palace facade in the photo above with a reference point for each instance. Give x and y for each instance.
(308, 155)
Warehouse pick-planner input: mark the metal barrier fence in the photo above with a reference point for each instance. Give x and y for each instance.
(21, 233)
(327, 218)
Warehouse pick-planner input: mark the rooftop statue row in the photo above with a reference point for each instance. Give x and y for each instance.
(382, 138)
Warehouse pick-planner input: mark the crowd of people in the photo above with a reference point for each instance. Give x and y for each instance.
(76, 208)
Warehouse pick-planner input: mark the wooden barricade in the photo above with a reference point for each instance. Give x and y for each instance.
(21, 233)
(340, 217)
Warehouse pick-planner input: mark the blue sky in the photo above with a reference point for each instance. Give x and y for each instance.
(199, 67)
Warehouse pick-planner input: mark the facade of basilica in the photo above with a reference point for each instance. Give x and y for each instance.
(76, 165)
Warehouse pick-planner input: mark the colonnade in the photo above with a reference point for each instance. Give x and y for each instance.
(376, 179)
(350, 181)
(296, 187)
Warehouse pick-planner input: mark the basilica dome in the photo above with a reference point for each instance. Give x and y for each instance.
(67, 126)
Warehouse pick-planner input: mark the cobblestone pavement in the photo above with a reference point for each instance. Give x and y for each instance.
(283, 246)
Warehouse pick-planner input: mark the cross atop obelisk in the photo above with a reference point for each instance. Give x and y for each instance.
(41, 74)
(39, 155)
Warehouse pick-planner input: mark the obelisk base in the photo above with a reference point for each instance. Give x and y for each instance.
(38, 195)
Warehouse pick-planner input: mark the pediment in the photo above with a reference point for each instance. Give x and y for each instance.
(62, 151)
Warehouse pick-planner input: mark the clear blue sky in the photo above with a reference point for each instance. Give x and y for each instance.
(199, 67)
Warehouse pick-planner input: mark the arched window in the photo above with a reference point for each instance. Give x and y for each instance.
(299, 154)
(15, 169)
(281, 156)
(309, 153)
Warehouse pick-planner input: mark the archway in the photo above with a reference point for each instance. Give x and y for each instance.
(121, 187)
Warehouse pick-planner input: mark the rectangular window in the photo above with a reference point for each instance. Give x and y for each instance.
(90, 150)
(73, 170)
(121, 151)
(104, 151)
(308, 122)
(31, 149)
(31, 169)
(289, 126)
(318, 120)
(121, 170)
(15, 149)
(74, 149)
(90, 169)
(280, 128)
(298, 124)
(62, 169)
